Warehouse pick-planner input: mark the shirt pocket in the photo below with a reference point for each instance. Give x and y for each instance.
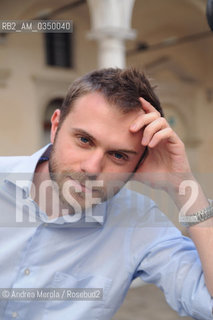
(80, 308)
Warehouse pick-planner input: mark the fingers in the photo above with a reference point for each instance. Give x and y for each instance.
(146, 118)
(161, 135)
(143, 120)
(153, 128)
(156, 128)
(147, 107)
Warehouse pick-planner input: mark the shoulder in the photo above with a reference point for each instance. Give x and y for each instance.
(7, 164)
(134, 209)
(133, 199)
(21, 163)
(131, 205)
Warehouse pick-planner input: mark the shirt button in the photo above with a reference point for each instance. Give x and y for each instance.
(14, 314)
(27, 272)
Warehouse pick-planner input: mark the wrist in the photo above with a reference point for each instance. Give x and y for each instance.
(174, 181)
(197, 217)
(188, 195)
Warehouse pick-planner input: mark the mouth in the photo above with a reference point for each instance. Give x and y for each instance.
(85, 189)
(76, 183)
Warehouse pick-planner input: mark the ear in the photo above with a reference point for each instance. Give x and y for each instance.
(55, 121)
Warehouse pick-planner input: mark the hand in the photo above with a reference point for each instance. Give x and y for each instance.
(166, 164)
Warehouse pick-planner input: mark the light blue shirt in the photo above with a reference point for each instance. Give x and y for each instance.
(134, 240)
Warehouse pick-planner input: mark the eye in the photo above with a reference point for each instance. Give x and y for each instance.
(84, 140)
(119, 156)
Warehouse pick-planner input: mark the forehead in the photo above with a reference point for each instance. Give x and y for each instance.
(96, 104)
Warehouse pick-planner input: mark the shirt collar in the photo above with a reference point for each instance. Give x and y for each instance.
(92, 218)
(22, 173)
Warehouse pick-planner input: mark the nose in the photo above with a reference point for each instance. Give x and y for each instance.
(93, 164)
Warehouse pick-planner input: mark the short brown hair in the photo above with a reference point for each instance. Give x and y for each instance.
(120, 87)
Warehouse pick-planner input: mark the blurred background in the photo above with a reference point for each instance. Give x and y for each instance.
(169, 39)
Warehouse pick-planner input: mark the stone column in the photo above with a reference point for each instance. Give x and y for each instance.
(110, 27)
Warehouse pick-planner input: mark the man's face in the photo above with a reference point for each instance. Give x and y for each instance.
(94, 143)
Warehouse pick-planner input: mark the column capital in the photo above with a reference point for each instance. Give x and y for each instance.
(111, 18)
(110, 27)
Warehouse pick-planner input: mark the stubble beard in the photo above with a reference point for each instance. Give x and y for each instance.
(75, 180)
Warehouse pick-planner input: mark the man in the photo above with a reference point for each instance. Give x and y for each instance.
(67, 222)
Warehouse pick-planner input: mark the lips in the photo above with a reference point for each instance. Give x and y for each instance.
(84, 188)
(76, 183)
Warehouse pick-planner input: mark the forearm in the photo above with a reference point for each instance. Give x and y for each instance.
(201, 233)
(202, 236)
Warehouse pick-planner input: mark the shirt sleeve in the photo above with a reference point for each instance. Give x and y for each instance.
(170, 261)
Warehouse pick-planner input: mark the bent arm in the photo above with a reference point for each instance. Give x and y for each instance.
(201, 233)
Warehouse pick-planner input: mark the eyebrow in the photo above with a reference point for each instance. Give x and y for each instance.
(81, 131)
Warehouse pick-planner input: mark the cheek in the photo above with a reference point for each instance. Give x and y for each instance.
(69, 159)
(65, 154)
(132, 165)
